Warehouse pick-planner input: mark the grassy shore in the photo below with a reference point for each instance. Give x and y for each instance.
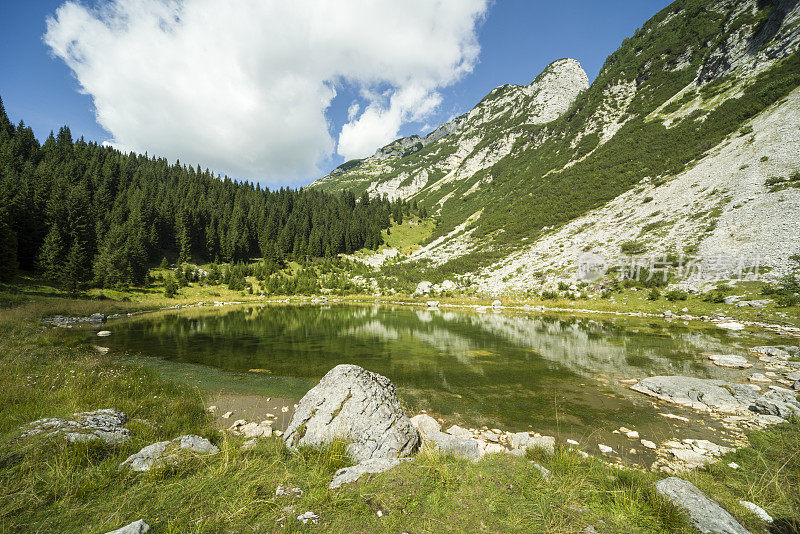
(49, 486)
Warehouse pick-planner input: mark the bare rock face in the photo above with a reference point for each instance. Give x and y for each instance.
(103, 425)
(704, 514)
(357, 406)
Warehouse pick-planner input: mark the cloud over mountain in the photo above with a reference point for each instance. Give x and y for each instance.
(243, 86)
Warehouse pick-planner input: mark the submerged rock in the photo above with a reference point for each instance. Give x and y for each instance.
(166, 452)
(348, 475)
(354, 405)
(730, 360)
(704, 514)
(699, 393)
(104, 425)
(137, 527)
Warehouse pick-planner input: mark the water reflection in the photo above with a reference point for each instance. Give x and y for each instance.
(517, 371)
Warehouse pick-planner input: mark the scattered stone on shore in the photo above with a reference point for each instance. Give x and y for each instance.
(704, 514)
(680, 456)
(605, 449)
(166, 452)
(778, 401)
(758, 511)
(731, 325)
(104, 425)
(432, 304)
(351, 474)
(211, 409)
(430, 431)
(61, 321)
(676, 417)
(730, 360)
(648, 444)
(251, 430)
(733, 465)
(459, 432)
(497, 304)
(104, 333)
(356, 405)
(758, 377)
(137, 527)
(747, 408)
(227, 415)
(573, 442)
(524, 441)
(775, 352)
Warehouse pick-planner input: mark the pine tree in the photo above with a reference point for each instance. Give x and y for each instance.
(8, 248)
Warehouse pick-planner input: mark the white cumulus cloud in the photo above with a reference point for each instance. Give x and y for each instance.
(243, 86)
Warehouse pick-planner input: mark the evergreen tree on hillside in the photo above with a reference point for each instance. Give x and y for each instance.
(88, 214)
(8, 249)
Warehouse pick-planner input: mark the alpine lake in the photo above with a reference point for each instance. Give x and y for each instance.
(562, 375)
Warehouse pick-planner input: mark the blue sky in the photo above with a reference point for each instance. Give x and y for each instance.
(517, 40)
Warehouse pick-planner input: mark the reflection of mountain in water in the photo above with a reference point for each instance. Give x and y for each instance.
(584, 346)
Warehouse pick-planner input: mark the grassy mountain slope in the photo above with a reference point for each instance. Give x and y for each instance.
(684, 83)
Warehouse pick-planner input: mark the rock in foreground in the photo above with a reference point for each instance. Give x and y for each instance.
(354, 405)
(103, 425)
(348, 475)
(137, 527)
(704, 514)
(167, 452)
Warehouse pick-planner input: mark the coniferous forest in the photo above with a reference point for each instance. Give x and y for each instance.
(81, 214)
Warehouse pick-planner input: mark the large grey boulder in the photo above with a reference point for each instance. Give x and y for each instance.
(357, 406)
(348, 475)
(778, 401)
(699, 393)
(137, 527)
(704, 514)
(100, 425)
(168, 452)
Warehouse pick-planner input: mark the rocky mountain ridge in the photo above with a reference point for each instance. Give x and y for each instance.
(686, 144)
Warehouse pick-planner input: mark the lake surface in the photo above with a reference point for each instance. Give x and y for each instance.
(514, 371)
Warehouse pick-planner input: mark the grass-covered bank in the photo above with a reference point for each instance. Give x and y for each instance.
(48, 486)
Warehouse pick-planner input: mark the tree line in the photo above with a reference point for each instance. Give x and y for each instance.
(82, 214)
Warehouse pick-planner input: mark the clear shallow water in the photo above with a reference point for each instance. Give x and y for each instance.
(509, 370)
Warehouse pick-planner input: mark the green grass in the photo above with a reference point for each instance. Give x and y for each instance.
(49, 486)
(408, 236)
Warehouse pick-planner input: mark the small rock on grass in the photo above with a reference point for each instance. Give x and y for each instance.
(137, 527)
(165, 452)
(605, 449)
(648, 444)
(308, 517)
(351, 474)
(704, 514)
(757, 510)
